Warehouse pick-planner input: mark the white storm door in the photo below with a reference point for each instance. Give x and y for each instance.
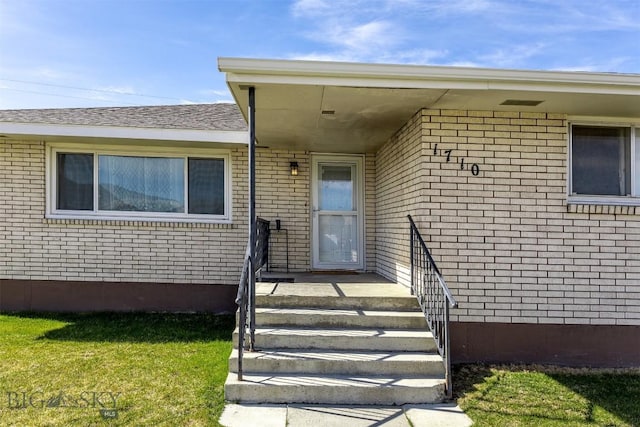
(337, 213)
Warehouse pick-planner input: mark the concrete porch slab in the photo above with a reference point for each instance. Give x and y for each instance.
(330, 285)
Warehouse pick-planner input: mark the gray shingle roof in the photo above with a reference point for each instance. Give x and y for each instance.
(222, 117)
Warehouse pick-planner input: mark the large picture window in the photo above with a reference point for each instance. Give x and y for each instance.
(605, 163)
(112, 183)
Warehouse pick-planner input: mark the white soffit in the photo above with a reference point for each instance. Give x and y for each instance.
(349, 107)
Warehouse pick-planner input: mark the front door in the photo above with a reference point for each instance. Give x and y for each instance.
(337, 213)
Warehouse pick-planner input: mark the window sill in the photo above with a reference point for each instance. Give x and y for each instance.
(138, 222)
(607, 206)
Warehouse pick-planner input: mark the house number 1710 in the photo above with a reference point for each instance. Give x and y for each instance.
(475, 169)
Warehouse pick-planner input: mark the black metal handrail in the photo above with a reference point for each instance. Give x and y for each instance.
(435, 298)
(246, 296)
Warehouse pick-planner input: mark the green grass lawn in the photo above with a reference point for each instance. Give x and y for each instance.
(546, 396)
(154, 369)
(169, 369)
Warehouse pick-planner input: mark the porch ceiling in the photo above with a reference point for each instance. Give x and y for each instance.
(355, 108)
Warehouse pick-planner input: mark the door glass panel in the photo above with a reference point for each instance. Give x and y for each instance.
(335, 188)
(338, 235)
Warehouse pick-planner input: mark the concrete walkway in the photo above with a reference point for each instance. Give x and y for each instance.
(300, 415)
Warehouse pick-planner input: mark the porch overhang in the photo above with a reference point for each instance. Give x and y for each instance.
(354, 108)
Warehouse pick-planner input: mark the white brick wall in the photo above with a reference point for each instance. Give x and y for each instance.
(508, 244)
(35, 248)
(285, 197)
(398, 193)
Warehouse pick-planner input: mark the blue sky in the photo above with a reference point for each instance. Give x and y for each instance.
(81, 53)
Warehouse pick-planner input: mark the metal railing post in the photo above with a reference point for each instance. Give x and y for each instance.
(447, 351)
(413, 292)
(252, 216)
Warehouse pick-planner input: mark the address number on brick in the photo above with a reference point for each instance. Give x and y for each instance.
(474, 168)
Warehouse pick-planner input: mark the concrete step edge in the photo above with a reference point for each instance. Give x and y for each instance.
(366, 390)
(319, 341)
(408, 303)
(339, 318)
(339, 362)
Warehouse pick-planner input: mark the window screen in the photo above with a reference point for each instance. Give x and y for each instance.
(601, 161)
(206, 186)
(75, 181)
(144, 184)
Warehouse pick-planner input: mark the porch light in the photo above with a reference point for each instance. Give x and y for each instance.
(293, 166)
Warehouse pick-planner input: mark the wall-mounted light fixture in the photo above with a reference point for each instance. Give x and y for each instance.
(293, 166)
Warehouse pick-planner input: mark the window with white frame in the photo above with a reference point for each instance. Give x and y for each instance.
(605, 164)
(111, 182)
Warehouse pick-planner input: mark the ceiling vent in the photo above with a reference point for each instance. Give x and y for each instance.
(522, 102)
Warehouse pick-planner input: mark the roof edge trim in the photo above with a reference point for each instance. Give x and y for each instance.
(117, 132)
(322, 69)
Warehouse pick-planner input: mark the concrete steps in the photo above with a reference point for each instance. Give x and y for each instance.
(342, 362)
(339, 317)
(333, 389)
(338, 349)
(343, 339)
(348, 302)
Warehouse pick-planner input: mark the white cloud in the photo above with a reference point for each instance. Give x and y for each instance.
(415, 56)
(457, 6)
(121, 90)
(511, 56)
(362, 37)
(350, 30)
(380, 30)
(602, 65)
(310, 7)
(466, 64)
(214, 92)
(332, 57)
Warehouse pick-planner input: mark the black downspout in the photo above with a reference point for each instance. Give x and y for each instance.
(252, 215)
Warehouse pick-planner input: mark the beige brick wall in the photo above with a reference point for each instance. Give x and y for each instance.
(509, 246)
(282, 196)
(370, 211)
(35, 248)
(399, 191)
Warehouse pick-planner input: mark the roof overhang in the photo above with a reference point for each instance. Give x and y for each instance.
(118, 134)
(353, 107)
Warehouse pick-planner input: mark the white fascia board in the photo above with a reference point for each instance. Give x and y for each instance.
(43, 129)
(242, 70)
(605, 120)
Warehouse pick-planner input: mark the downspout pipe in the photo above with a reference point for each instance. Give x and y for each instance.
(252, 216)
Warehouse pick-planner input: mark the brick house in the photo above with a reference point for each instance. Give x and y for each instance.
(525, 185)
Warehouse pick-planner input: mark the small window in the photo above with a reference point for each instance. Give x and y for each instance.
(106, 184)
(75, 181)
(206, 186)
(602, 161)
